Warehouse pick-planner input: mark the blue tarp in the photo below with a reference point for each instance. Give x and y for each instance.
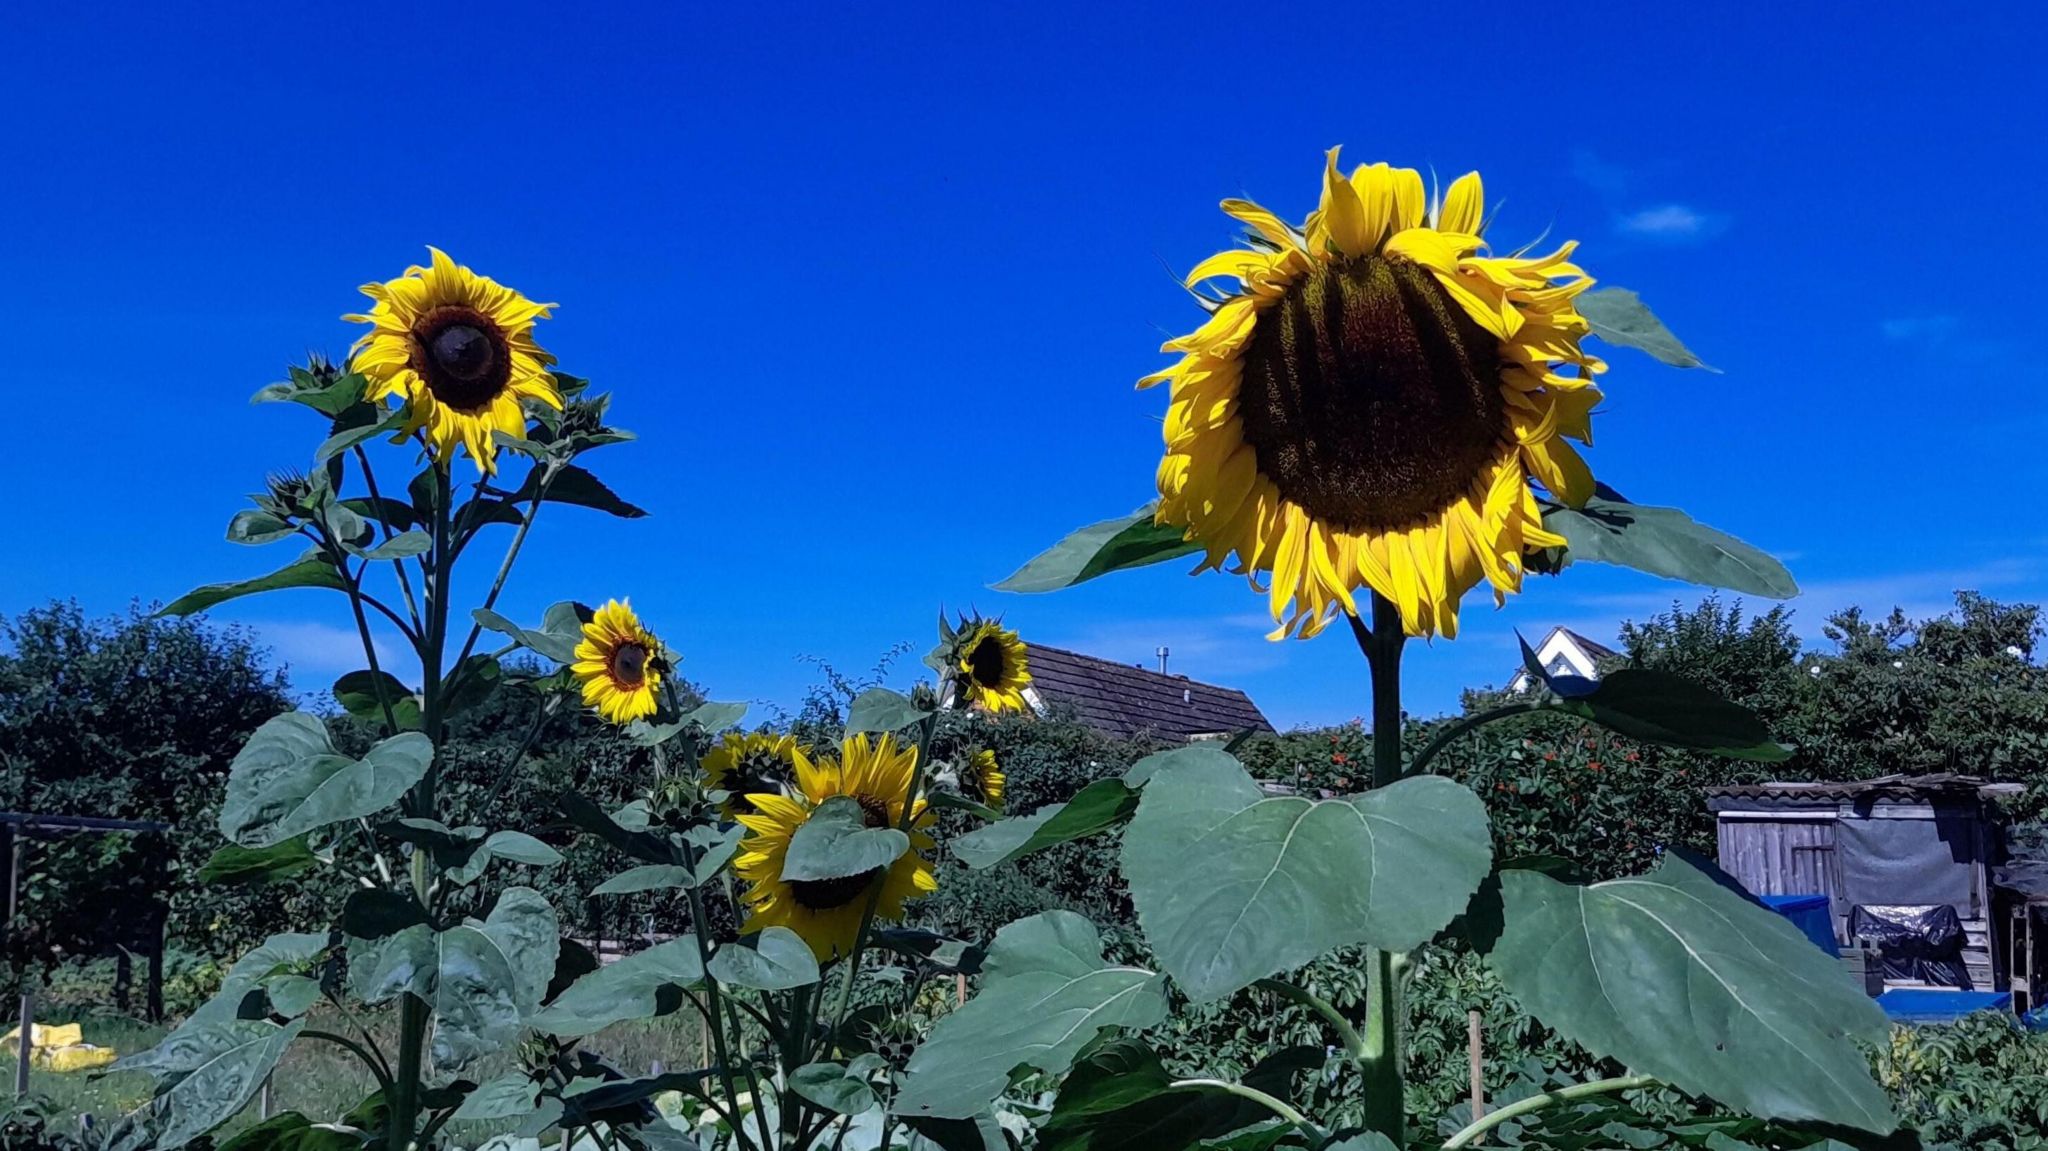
(1810, 914)
(1913, 1005)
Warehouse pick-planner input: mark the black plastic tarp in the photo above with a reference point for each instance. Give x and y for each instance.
(1923, 943)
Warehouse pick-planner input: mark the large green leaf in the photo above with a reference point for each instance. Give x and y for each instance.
(1139, 773)
(836, 842)
(556, 646)
(843, 1089)
(209, 1072)
(880, 709)
(649, 877)
(303, 573)
(1098, 549)
(1679, 976)
(1658, 707)
(330, 396)
(253, 526)
(573, 485)
(639, 986)
(1119, 1097)
(357, 693)
(490, 977)
(775, 960)
(289, 780)
(1045, 992)
(506, 1097)
(347, 438)
(1094, 809)
(1620, 317)
(1232, 884)
(1666, 542)
(581, 812)
(232, 863)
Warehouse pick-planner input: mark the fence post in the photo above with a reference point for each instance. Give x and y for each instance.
(1475, 1049)
(27, 1043)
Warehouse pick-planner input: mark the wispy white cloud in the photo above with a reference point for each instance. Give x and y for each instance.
(1670, 222)
(1936, 329)
(318, 653)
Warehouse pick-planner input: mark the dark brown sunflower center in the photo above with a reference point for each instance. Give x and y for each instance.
(826, 894)
(462, 356)
(629, 664)
(985, 663)
(1369, 397)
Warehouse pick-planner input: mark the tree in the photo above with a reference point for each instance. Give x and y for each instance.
(132, 717)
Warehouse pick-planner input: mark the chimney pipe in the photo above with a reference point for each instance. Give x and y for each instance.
(1162, 659)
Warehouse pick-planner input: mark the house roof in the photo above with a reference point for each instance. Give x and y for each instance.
(1121, 700)
(1591, 647)
(1592, 650)
(1894, 787)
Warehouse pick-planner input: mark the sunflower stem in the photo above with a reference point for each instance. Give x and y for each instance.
(1478, 1127)
(1452, 731)
(1379, 1059)
(412, 1011)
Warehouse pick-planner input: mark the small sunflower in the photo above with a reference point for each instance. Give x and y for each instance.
(992, 668)
(981, 780)
(619, 664)
(1368, 409)
(758, 763)
(458, 349)
(827, 912)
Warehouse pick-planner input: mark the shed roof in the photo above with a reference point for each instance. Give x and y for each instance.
(1121, 700)
(1909, 788)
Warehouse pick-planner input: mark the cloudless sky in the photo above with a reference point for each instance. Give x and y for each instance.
(873, 283)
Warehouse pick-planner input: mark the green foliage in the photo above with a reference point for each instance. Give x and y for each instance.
(1979, 1082)
(1098, 549)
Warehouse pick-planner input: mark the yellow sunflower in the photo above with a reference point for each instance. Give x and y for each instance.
(993, 669)
(981, 780)
(758, 763)
(619, 663)
(458, 349)
(827, 912)
(1367, 410)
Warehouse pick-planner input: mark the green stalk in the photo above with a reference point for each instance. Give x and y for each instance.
(1452, 731)
(1276, 1106)
(412, 1011)
(1379, 1061)
(1354, 1043)
(1479, 1127)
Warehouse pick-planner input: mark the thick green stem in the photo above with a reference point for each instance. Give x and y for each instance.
(1479, 1127)
(412, 1011)
(1379, 1061)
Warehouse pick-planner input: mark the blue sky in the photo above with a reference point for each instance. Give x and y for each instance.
(874, 282)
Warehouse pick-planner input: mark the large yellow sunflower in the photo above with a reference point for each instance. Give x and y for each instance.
(619, 663)
(1368, 409)
(458, 349)
(827, 912)
(993, 668)
(758, 763)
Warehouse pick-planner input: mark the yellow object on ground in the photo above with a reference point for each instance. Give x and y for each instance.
(59, 1047)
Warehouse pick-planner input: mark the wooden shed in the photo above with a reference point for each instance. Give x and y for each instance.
(1927, 841)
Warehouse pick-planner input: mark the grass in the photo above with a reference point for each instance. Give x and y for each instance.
(322, 1080)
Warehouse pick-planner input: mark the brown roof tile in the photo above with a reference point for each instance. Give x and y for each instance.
(1121, 700)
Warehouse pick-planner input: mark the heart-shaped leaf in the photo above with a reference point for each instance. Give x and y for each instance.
(650, 877)
(1658, 707)
(309, 572)
(839, 1088)
(1094, 809)
(1284, 879)
(232, 863)
(1119, 1097)
(775, 960)
(1045, 993)
(836, 841)
(1666, 542)
(878, 709)
(213, 1071)
(1100, 548)
(289, 780)
(639, 986)
(1620, 317)
(561, 648)
(1679, 976)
